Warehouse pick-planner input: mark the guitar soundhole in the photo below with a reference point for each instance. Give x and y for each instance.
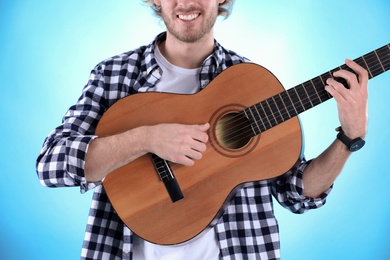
(233, 131)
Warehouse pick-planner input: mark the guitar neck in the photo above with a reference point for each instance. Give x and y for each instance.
(290, 103)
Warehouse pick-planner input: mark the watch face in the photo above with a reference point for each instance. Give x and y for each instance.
(356, 144)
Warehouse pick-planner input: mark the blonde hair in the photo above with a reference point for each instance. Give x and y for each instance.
(224, 9)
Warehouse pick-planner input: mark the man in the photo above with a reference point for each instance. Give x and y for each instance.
(73, 156)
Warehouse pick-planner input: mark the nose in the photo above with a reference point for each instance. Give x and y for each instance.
(185, 3)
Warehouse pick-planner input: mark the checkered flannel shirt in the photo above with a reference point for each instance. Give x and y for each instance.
(248, 228)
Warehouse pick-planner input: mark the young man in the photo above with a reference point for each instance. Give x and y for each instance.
(73, 156)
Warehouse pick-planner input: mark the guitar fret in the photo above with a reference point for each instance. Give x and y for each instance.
(253, 121)
(299, 98)
(274, 106)
(387, 61)
(376, 54)
(322, 89)
(269, 112)
(385, 56)
(289, 104)
(311, 93)
(373, 65)
(297, 103)
(323, 93)
(259, 119)
(315, 88)
(266, 115)
(366, 66)
(307, 94)
(322, 80)
(162, 168)
(303, 97)
(286, 115)
(361, 62)
(263, 116)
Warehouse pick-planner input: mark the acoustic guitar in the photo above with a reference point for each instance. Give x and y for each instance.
(249, 141)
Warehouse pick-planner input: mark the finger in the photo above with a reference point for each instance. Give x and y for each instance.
(206, 126)
(350, 77)
(334, 93)
(357, 79)
(195, 155)
(186, 161)
(200, 147)
(189, 157)
(200, 133)
(336, 89)
(203, 127)
(359, 70)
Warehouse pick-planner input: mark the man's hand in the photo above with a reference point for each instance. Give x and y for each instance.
(352, 102)
(183, 144)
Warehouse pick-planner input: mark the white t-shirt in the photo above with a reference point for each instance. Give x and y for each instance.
(175, 79)
(205, 246)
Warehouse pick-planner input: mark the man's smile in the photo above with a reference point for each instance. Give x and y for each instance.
(188, 17)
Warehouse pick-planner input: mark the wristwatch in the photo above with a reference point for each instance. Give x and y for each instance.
(352, 144)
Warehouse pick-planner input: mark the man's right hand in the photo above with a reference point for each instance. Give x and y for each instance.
(177, 143)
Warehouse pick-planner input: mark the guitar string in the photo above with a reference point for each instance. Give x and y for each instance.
(304, 101)
(283, 114)
(371, 63)
(248, 132)
(368, 59)
(311, 96)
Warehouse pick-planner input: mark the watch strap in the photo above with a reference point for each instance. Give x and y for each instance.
(352, 144)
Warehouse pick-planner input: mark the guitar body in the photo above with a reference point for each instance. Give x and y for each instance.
(136, 191)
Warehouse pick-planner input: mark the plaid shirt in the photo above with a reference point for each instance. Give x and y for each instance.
(248, 228)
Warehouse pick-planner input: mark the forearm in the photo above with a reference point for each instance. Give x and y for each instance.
(183, 144)
(321, 173)
(352, 109)
(107, 154)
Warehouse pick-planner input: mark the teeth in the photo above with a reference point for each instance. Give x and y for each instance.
(188, 17)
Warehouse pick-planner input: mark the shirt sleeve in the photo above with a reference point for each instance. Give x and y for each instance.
(62, 158)
(288, 191)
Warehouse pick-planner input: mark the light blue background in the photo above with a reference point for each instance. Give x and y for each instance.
(47, 49)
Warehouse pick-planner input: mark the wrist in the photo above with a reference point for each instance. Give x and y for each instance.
(352, 144)
(138, 140)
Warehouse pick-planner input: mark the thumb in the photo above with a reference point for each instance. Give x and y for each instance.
(204, 127)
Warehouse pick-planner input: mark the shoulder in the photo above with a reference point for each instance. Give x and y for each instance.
(228, 56)
(134, 59)
(139, 59)
(122, 74)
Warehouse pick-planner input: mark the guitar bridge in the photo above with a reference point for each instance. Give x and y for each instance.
(168, 178)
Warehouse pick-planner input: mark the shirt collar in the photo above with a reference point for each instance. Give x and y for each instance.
(216, 58)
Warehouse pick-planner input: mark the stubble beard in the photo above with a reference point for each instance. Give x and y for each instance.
(190, 34)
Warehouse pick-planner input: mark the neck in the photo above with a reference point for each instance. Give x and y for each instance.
(186, 55)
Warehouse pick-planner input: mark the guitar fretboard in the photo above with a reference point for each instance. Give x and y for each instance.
(288, 104)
